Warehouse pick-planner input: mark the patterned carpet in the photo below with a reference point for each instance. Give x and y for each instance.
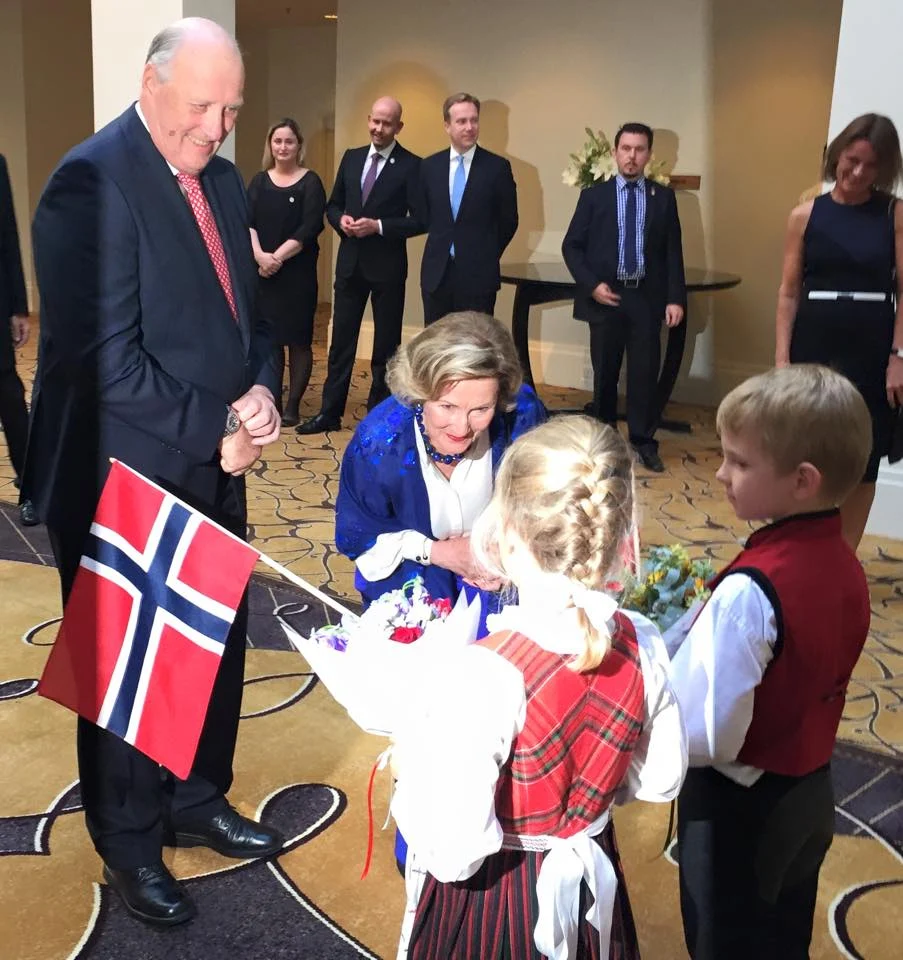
(302, 763)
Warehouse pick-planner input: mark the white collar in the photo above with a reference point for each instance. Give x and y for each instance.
(385, 153)
(143, 119)
(547, 613)
(468, 155)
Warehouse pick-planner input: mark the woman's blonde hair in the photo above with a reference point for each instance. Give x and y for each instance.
(564, 490)
(460, 346)
(268, 161)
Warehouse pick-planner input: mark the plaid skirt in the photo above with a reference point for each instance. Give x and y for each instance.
(491, 916)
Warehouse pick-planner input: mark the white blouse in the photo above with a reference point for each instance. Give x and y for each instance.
(460, 729)
(455, 503)
(716, 669)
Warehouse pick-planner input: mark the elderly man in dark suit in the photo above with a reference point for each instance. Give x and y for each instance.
(623, 249)
(468, 204)
(370, 209)
(151, 352)
(13, 335)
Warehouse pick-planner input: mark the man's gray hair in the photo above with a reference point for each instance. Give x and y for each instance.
(166, 43)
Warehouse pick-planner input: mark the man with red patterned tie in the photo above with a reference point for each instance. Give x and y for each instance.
(151, 352)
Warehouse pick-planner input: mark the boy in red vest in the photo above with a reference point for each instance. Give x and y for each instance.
(762, 674)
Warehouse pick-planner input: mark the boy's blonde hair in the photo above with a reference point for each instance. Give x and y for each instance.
(804, 413)
(565, 490)
(461, 346)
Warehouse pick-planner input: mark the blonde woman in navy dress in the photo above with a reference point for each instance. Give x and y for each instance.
(843, 261)
(509, 762)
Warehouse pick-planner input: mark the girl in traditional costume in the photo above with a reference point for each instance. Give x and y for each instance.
(510, 760)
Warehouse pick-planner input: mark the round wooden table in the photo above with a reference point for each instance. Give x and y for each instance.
(545, 282)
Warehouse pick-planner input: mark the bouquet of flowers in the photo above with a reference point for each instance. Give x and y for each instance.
(596, 161)
(672, 584)
(399, 615)
(370, 663)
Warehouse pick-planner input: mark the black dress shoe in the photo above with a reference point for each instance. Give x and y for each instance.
(650, 460)
(28, 516)
(152, 894)
(319, 424)
(288, 420)
(232, 835)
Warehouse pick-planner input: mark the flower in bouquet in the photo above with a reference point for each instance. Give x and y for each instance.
(596, 161)
(400, 615)
(671, 584)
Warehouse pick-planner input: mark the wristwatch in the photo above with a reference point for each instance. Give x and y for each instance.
(233, 422)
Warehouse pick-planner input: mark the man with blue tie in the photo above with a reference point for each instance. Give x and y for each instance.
(467, 202)
(623, 249)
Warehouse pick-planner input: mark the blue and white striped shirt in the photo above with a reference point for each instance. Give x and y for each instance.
(621, 190)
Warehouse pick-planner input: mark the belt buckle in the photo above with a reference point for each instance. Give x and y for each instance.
(631, 283)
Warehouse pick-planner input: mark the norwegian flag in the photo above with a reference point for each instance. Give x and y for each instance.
(147, 619)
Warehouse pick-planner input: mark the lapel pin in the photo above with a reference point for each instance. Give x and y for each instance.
(291, 199)
(653, 191)
(391, 159)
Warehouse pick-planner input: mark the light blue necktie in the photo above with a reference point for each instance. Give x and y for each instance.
(457, 193)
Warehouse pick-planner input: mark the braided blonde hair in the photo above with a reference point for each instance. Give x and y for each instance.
(565, 490)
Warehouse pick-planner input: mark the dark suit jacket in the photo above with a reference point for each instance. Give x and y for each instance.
(590, 248)
(487, 220)
(139, 353)
(379, 258)
(13, 300)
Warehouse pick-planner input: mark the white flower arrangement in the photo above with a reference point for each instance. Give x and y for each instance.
(596, 161)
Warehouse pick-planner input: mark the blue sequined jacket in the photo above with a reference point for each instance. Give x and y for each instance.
(381, 488)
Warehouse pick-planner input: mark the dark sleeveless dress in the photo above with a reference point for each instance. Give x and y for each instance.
(850, 248)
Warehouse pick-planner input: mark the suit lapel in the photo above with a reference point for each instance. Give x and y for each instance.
(386, 175)
(476, 166)
(356, 171)
(175, 211)
(232, 246)
(652, 198)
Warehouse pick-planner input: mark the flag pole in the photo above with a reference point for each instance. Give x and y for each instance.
(305, 586)
(294, 578)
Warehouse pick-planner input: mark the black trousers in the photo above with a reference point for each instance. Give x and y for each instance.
(387, 303)
(749, 863)
(14, 417)
(453, 295)
(635, 326)
(129, 799)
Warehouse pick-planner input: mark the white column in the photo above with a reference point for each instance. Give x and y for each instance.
(869, 79)
(121, 34)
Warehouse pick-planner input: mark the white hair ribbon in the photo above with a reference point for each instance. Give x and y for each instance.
(599, 607)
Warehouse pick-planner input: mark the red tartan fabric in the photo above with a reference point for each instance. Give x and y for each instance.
(578, 737)
(492, 915)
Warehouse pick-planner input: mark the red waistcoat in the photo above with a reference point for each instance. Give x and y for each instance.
(578, 737)
(821, 603)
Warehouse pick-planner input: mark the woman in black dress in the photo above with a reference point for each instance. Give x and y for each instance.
(843, 261)
(287, 203)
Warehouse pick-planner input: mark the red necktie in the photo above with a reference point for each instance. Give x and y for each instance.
(212, 240)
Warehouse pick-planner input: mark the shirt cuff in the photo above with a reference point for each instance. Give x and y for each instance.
(379, 225)
(384, 557)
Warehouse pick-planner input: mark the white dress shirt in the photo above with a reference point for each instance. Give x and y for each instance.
(716, 670)
(455, 503)
(453, 166)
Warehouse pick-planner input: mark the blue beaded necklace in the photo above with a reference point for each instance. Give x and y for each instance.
(430, 449)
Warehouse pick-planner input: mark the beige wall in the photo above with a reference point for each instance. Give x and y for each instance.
(291, 72)
(12, 119)
(57, 45)
(773, 73)
(544, 71)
